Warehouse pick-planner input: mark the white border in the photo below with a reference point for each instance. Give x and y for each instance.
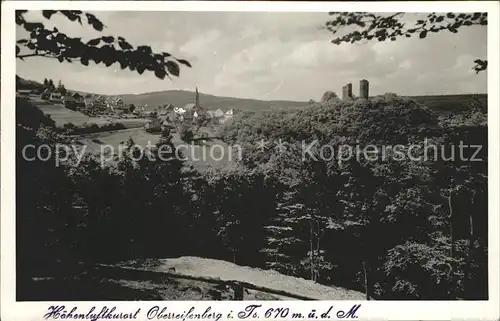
(379, 310)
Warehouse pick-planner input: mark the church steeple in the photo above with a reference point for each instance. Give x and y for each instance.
(197, 98)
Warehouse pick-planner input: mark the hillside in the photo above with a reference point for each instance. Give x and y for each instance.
(22, 83)
(449, 103)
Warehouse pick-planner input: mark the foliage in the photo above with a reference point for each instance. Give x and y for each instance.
(383, 27)
(364, 198)
(327, 97)
(52, 43)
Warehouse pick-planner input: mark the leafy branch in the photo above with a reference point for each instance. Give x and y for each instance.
(107, 50)
(371, 26)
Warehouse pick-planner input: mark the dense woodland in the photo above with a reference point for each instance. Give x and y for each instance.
(393, 228)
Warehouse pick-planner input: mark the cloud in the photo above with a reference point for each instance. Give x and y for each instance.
(269, 55)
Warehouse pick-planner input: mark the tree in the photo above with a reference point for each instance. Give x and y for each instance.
(54, 44)
(63, 90)
(329, 96)
(51, 85)
(131, 108)
(60, 88)
(370, 26)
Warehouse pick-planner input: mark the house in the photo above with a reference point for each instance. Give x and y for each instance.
(79, 101)
(115, 104)
(100, 107)
(45, 94)
(180, 112)
(168, 119)
(56, 97)
(77, 97)
(119, 103)
(210, 114)
(219, 113)
(69, 102)
(228, 115)
(88, 101)
(96, 104)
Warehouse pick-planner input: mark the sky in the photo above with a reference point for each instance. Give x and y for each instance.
(266, 55)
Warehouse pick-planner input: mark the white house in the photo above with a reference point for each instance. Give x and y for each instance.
(55, 97)
(119, 102)
(219, 113)
(228, 115)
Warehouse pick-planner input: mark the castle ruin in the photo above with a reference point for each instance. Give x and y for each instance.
(363, 89)
(364, 86)
(347, 91)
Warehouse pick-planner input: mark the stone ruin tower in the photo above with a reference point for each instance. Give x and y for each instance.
(347, 91)
(363, 89)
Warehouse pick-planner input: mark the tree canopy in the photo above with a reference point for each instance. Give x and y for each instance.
(107, 50)
(368, 26)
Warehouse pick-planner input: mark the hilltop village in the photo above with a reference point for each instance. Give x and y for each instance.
(114, 107)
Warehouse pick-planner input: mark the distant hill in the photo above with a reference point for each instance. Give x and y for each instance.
(25, 84)
(438, 103)
(182, 97)
(450, 103)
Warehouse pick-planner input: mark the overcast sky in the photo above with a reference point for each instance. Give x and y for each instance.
(267, 56)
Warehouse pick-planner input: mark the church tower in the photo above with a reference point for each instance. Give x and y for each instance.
(197, 98)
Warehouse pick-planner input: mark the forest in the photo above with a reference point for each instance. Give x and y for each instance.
(392, 228)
